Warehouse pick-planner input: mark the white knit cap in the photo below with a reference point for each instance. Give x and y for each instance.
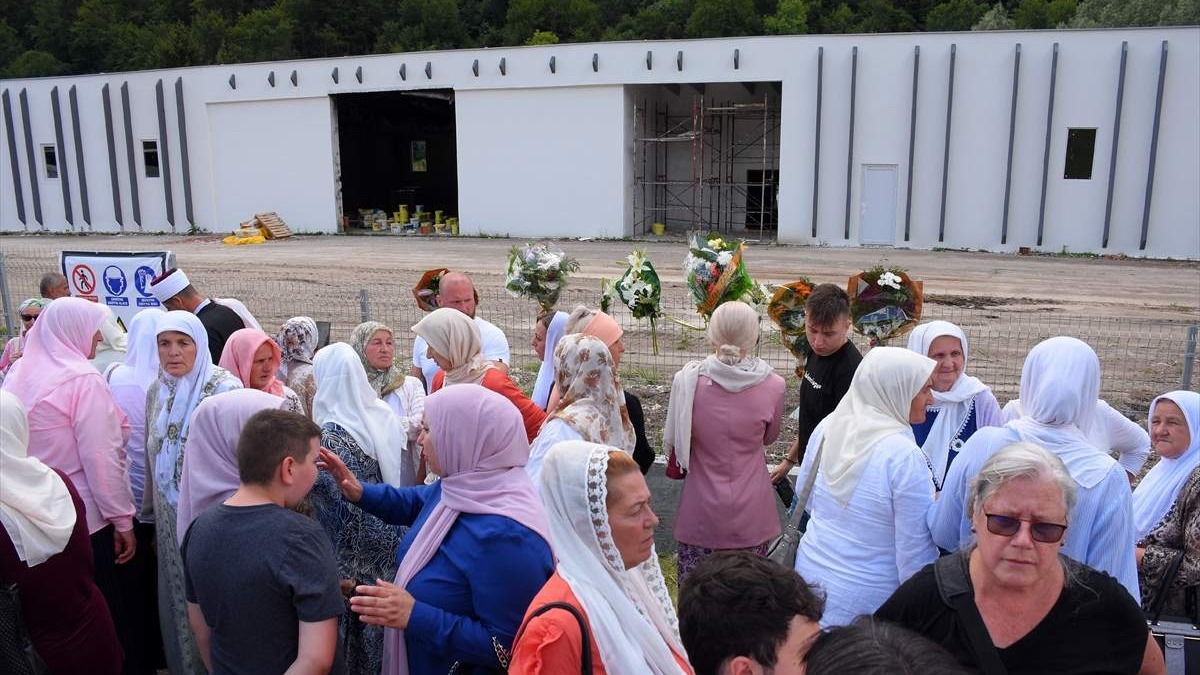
(170, 285)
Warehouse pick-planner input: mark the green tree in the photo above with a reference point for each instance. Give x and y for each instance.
(841, 20)
(573, 20)
(723, 18)
(11, 45)
(422, 25)
(1034, 14)
(542, 37)
(258, 35)
(883, 16)
(790, 18)
(954, 15)
(34, 63)
(659, 20)
(1121, 13)
(996, 18)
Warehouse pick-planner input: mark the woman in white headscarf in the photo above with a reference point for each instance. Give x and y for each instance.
(1166, 505)
(593, 407)
(377, 447)
(961, 403)
(722, 411)
(186, 378)
(602, 532)
(1060, 383)
(45, 550)
(546, 334)
(866, 533)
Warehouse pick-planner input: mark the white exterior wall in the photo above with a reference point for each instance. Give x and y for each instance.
(513, 180)
(544, 153)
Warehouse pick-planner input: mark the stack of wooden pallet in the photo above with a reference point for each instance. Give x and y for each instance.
(271, 225)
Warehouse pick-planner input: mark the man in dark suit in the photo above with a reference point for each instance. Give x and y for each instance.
(175, 292)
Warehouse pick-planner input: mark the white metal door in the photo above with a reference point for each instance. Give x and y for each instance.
(877, 214)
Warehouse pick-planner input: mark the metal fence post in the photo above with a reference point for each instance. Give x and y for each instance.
(1189, 357)
(364, 305)
(8, 312)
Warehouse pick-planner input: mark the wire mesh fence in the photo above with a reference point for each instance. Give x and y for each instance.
(1140, 358)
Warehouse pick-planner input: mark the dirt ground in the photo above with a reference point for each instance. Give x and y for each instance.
(999, 288)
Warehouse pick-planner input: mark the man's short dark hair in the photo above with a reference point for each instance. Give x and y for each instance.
(870, 647)
(268, 437)
(736, 603)
(826, 304)
(50, 280)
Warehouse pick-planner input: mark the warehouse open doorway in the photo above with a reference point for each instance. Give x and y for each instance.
(396, 149)
(706, 157)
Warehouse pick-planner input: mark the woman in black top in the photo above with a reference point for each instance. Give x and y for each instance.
(1019, 604)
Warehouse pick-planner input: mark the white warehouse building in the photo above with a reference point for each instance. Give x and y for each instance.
(1084, 141)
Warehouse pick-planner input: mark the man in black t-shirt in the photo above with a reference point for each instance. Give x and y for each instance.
(830, 366)
(261, 580)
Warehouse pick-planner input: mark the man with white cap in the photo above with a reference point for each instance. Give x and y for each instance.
(175, 292)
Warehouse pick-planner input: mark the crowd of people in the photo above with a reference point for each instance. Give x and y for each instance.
(192, 493)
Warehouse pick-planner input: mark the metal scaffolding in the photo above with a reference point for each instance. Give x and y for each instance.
(730, 177)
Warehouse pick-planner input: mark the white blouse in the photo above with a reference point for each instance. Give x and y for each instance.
(554, 431)
(859, 554)
(408, 402)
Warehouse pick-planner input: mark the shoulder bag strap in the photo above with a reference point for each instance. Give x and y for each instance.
(806, 491)
(1164, 587)
(954, 586)
(585, 666)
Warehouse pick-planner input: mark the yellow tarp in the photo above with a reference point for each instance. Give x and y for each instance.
(234, 240)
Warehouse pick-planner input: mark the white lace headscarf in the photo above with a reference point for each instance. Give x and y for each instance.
(629, 610)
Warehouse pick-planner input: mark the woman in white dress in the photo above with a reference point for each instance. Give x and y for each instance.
(866, 534)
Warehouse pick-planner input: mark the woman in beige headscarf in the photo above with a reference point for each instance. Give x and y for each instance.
(454, 344)
(722, 411)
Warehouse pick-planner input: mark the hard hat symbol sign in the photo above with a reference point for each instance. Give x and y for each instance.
(114, 280)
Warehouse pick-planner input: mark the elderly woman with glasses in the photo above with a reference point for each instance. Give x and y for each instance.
(28, 311)
(1012, 602)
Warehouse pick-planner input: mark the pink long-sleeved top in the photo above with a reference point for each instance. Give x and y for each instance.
(80, 430)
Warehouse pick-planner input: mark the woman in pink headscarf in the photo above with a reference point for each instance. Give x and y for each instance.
(254, 358)
(477, 552)
(75, 426)
(210, 470)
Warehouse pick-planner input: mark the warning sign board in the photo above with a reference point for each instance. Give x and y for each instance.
(124, 278)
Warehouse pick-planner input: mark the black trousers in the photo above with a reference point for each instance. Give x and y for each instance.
(131, 593)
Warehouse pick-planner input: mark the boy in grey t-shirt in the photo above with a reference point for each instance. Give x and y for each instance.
(261, 579)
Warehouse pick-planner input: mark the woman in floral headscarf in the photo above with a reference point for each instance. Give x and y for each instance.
(28, 311)
(403, 393)
(297, 339)
(593, 407)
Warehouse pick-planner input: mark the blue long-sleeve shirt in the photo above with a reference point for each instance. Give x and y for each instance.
(473, 593)
(1101, 524)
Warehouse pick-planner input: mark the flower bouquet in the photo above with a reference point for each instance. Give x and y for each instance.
(638, 289)
(538, 271)
(884, 303)
(786, 309)
(715, 273)
(426, 290)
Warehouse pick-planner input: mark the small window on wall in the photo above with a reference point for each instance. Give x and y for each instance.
(50, 155)
(1081, 147)
(150, 158)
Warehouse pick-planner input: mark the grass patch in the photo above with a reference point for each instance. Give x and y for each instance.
(642, 375)
(670, 575)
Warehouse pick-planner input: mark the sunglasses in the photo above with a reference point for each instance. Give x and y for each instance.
(1046, 533)
(28, 317)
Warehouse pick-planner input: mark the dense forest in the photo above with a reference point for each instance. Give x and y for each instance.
(51, 37)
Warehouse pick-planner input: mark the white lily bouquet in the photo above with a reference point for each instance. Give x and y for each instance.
(539, 272)
(639, 289)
